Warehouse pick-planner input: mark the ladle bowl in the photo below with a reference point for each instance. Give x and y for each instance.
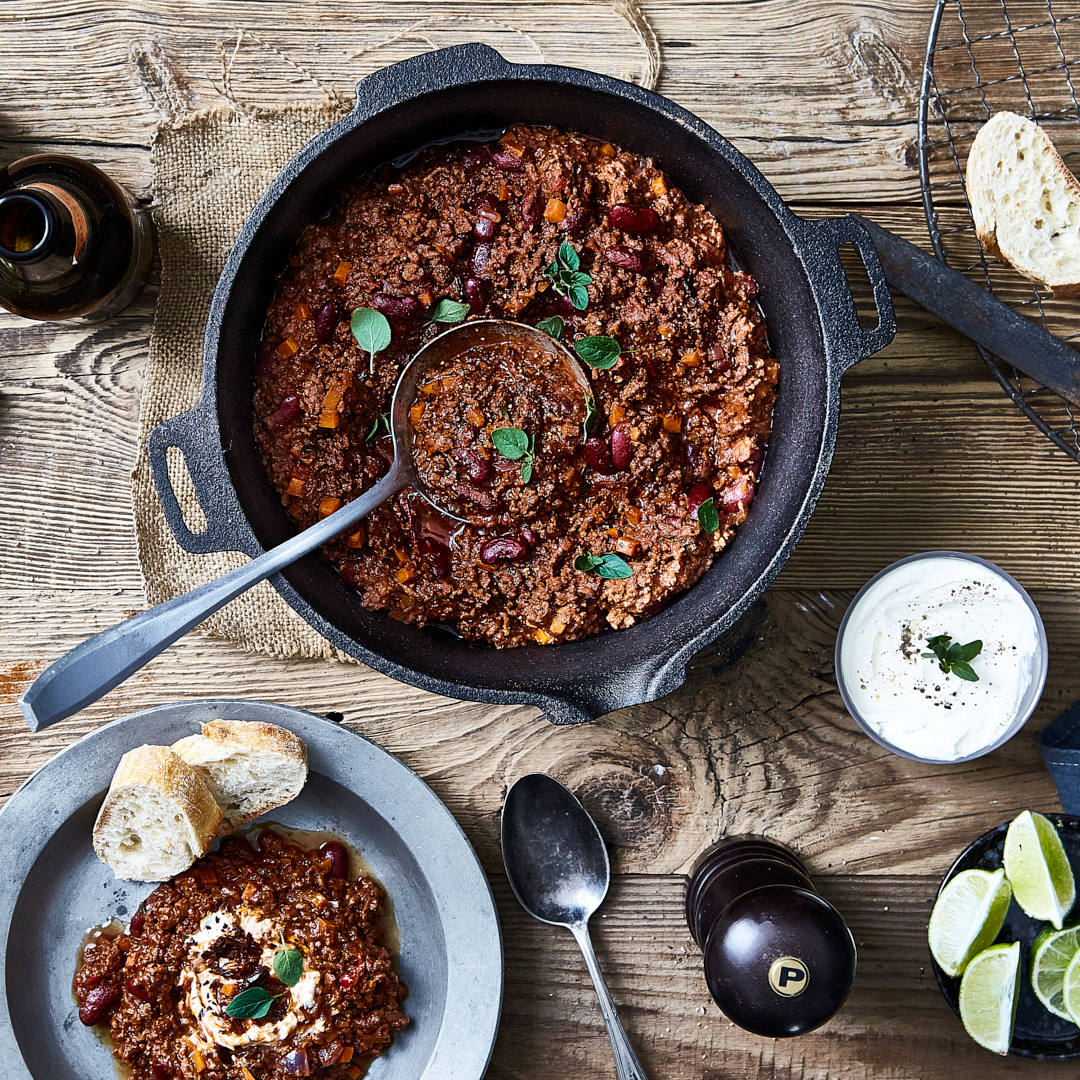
(93, 668)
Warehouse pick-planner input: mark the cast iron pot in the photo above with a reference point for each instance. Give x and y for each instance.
(813, 331)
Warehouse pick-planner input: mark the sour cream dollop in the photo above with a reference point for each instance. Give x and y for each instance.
(907, 699)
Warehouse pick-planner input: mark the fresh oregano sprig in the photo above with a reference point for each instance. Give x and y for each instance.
(567, 278)
(448, 311)
(553, 326)
(254, 1002)
(610, 566)
(380, 427)
(599, 351)
(515, 445)
(372, 332)
(954, 657)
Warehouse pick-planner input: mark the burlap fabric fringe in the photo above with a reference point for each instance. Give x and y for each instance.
(209, 168)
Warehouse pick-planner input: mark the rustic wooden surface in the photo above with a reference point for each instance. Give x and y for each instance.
(930, 454)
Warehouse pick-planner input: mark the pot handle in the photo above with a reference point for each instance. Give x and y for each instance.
(192, 434)
(847, 340)
(426, 74)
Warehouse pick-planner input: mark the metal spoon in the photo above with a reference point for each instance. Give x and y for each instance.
(93, 668)
(558, 868)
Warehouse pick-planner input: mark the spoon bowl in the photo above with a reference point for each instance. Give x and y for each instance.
(94, 667)
(559, 870)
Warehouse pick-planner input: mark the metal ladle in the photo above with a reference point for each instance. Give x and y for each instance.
(93, 668)
(558, 868)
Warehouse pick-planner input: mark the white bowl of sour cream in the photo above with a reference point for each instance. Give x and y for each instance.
(902, 699)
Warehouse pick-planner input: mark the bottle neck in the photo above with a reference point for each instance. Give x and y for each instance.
(43, 229)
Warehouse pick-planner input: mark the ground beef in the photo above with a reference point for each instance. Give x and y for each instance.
(211, 933)
(685, 409)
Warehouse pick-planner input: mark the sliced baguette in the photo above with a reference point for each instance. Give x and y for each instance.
(158, 816)
(1026, 202)
(249, 767)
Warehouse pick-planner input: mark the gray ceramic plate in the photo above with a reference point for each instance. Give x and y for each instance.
(53, 889)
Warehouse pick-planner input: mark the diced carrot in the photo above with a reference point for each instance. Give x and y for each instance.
(503, 191)
(405, 575)
(635, 434)
(248, 1075)
(198, 1061)
(664, 331)
(626, 546)
(346, 1055)
(607, 150)
(672, 423)
(543, 637)
(356, 539)
(341, 274)
(555, 211)
(346, 380)
(302, 312)
(425, 298)
(287, 348)
(618, 413)
(327, 505)
(297, 486)
(328, 416)
(659, 185)
(556, 626)
(474, 416)
(400, 555)
(690, 359)
(633, 515)
(355, 1072)
(395, 189)
(612, 532)
(415, 413)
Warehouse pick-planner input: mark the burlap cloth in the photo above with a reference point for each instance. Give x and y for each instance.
(210, 167)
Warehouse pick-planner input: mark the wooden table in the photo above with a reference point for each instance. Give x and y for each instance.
(930, 454)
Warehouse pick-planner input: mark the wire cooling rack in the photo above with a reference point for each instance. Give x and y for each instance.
(980, 60)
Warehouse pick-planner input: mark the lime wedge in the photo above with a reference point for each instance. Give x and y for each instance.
(1070, 991)
(1051, 954)
(967, 917)
(988, 995)
(1038, 869)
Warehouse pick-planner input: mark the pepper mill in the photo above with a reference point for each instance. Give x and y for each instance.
(779, 959)
(72, 242)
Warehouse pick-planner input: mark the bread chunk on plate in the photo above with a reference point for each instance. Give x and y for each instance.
(1026, 202)
(249, 767)
(158, 816)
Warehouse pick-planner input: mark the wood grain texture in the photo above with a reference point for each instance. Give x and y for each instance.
(929, 453)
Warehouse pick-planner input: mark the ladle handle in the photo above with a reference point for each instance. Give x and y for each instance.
(627, 1066)
(93, 668)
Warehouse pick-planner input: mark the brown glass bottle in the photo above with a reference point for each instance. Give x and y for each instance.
(72, 242)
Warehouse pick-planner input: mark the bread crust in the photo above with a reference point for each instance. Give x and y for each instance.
(158, 767)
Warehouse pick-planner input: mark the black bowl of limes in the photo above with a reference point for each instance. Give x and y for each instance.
(1013, 923)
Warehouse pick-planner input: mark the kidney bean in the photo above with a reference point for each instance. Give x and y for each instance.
(697, 495)
(474, 293)
(532, 209)
(136, 989)
(138, 921)
(295, 1063)
(639, 220)
(476, 158)
(598, 455)
(396, 307)
(719, 357)
(437, 555)
(338, 856)
(350, 574)
(575, 219)
(476, 467)
(621, 449)
(97, 1002)
(506, 161)
(285, 413)
(529, 536)
(485, 228)
(479, 259)
(477, 496)
(503, 549)
(625, 259)
(264, 358)
(738, 497)
(326, 322)
(484, 200)
(656, 283)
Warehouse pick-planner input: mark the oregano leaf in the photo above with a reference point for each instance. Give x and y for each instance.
(251, 1004)
(599, 352)
(511, 442)
(707, 516)
(552, 326)
(448, 311)
(372, 332)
